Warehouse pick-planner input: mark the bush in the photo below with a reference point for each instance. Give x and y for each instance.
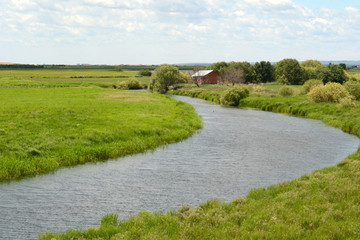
(310, 84)
(286, 91)
(353, 87)
(131, 83)
(122, 85)
(145, 72)
(347, 102)
(232, 96)
(331, 92)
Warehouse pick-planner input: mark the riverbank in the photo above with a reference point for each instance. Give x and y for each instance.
(43, 129)
(320, 205)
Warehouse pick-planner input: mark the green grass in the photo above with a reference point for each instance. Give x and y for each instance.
(106, 78)
(322, 205)
(42, 129)
(354, 73)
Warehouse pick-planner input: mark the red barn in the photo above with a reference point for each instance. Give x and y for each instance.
(206, 77)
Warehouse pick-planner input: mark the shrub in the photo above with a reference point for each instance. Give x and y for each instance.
(310, 84)
(353, 87)
(144, 72)
(347, 102)
(131, 83)
(331, 92)
(232, 96)
(122, 85)
(286, 91)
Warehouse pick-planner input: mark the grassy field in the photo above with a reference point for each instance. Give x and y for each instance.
(354, 73)
(42, 129)
(106, 78)
(322, 205)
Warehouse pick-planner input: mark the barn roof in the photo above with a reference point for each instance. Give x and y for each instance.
(202, 73)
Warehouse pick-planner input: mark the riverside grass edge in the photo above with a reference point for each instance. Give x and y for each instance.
(43, 129)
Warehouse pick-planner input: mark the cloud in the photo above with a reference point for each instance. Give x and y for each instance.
(197, 28)
(199, 24)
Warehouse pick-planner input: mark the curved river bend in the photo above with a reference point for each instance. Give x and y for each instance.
(237, 150)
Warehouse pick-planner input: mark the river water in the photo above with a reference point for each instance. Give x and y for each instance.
(237, 150)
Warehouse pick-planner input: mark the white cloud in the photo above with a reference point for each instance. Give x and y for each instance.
(74, 31)
(352, 10)
(198, 28)
(212, 23)
(21, 4)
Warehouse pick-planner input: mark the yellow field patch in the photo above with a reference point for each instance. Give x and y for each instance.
(129, 96)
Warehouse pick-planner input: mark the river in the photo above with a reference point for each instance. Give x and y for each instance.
(237, 150)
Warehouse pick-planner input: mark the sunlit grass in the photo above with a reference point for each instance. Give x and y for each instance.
(354, 73)
(42, 129)
(65, 77)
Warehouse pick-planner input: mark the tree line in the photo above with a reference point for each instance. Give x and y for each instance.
(287, 71)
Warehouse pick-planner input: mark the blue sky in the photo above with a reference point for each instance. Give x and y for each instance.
(178, 31)
(338, 4)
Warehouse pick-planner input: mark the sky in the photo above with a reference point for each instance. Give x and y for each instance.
(179, 31)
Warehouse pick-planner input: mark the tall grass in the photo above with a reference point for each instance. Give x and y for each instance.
(42, 129)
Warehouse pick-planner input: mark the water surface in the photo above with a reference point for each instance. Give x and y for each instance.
(237, 150)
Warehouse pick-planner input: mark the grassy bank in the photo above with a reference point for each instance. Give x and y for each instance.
(42, 129)
(264, 98)
(321, 205)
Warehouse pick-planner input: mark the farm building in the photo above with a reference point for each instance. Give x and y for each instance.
(206, 77)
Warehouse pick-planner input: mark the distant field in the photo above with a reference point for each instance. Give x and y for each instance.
(65, 77)
(354, 73)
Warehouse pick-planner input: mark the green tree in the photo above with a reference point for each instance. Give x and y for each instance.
(185, 77)
(337, 74)
(311, 64)
(218, 67)
(164, 76)
(264, 72)
(312, 69)
(289, 71)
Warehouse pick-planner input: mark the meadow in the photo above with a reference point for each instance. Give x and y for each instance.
(44, 128)
(354, 74)
(72, 77)
(321, 205)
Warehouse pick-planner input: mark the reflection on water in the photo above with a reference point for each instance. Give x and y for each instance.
(236, 151)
